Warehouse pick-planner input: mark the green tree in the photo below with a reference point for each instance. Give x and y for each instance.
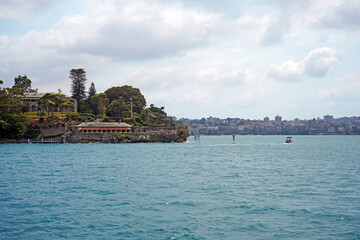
(22, 82)
(91, 107)
(65, 103)
(128, 94)
(101, 102)
(12, 120)
(147, 116)
(51, 102)
(9, 100)
(78, 78)
(160, 114)
(91, 92)
(118, 108)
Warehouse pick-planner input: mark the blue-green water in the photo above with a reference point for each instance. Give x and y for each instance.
(255, 188)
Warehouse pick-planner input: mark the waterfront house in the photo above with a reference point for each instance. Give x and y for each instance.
(31, 101)
(108, 128)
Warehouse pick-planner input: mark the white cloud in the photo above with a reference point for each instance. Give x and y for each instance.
(132, 30)
(288, 71)
(316, 64)
(223, 77)
(199, 97)
(275, 32)
(15, 8)
(347, 87)
(344, 16)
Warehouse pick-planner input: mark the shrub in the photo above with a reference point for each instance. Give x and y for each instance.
(129, 121)
(33, 130)
(122, 137)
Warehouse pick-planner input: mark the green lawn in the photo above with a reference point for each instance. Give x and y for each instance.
(35, 114)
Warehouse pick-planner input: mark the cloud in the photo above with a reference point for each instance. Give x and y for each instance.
(152, 78)
(132, 30)
(316, 64)
(344, 16)
(275, 32)
(15, 8)
(347, 87)
(223, 77)
(288, 71)
(198, 97)
(107, 31)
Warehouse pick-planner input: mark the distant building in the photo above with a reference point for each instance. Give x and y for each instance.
(329, 119)
(296, 122)
(99, 131)
(266, 119)
(31, 101)
(312, 122)
(331, 130)
(278, 118)
(103, 128)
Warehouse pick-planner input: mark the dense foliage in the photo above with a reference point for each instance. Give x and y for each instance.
(101, 101)
(53, 102)
(128, 94)
(12, 120)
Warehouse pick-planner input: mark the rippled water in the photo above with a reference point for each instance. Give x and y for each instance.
(254, 188)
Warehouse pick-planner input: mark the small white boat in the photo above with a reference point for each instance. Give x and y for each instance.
(288, 140)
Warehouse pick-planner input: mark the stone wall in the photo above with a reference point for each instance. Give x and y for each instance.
(139, 134)
(53, 130)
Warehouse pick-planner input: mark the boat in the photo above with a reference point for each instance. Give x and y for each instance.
(288, 140)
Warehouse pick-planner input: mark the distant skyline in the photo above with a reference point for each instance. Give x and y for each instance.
(246, 59)
(273, 118)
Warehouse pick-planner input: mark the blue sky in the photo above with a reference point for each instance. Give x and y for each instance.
(247, 59)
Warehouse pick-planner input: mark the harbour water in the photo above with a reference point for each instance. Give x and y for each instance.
(256, 187)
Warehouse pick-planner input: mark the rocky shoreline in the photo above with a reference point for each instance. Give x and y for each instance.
(138, 134)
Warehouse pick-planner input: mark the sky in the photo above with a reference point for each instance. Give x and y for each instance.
(246, 59)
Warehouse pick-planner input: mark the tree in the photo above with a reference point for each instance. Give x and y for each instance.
(22, 82)
(91, 107)
(51, 102)
(118, 107)
(9, 100)
(128, 94)
(91, 92)
(160, 114)
(147, 116)
(64, 104)
(101, 102)
(78, 78)
(12, 120)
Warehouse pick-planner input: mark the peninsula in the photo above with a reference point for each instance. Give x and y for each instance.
(119, 114)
